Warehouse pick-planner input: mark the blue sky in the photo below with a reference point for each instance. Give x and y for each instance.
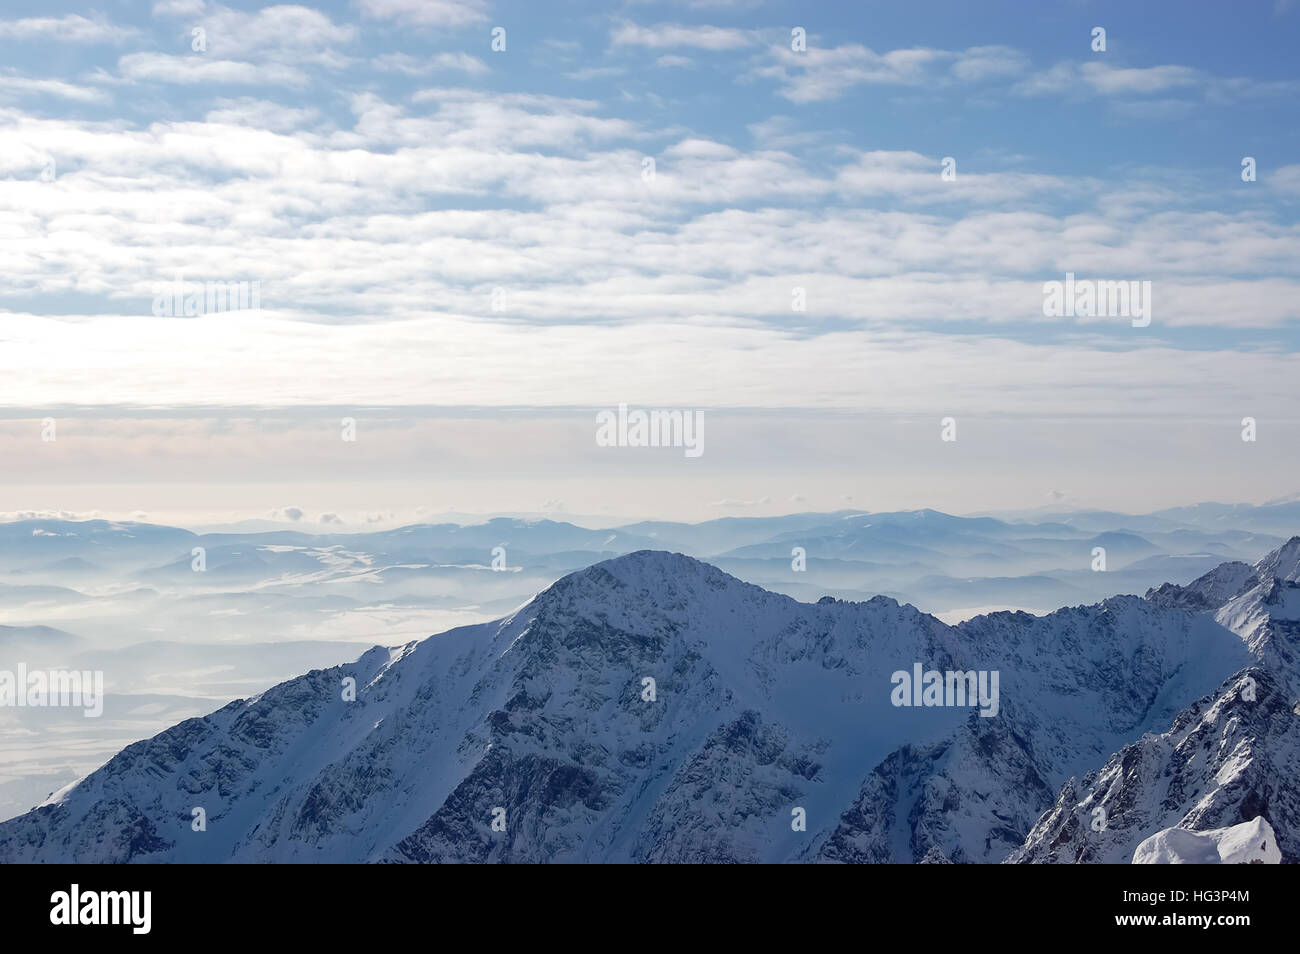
(444, 232)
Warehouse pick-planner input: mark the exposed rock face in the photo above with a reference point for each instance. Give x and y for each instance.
(653, 708)
(1209, 591)
(546, 716)
(1226, 760)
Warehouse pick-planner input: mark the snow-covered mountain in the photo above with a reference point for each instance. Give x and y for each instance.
(1259, 603)
(1086, 680)
(653, 708)
(215, 596)
(1227, 758)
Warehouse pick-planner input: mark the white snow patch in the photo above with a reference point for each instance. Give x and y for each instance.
(1250, 842)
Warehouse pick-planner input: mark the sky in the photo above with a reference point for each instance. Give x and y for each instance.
(469, 227)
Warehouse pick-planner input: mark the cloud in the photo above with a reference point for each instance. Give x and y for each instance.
(261, 114)
(418, 66)
(437, 13)
(15, 515)
(252, 361)
(1109, 80)
(25, 86)
(382, 208)
(178, 8)
(70, 28)
(1155, 109)
(1285, 179)
(278, 34)
(730, 5)
(722, 234)
(1074, 78)
(670, 35)
(1094, 78)
(821, 73)
(198, 69)
(826, 73)
(595, 72)
(379, 237)
(916, 178)
(781, 132)
(980, 63)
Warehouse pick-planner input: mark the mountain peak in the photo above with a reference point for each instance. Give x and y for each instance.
(654, 708)
(642, 567)
(1282, 563)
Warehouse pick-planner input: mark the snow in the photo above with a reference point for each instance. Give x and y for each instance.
(1283, 563)
(764, 704)
(1250, 842)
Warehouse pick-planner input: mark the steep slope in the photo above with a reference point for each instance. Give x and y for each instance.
(1078, 683)
(541, 714)
(1227, 759)
(762, 708)
(1259, 603)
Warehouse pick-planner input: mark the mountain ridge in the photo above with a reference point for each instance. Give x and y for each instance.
(762, 705)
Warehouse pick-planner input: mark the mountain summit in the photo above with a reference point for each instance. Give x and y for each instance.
(653, 708)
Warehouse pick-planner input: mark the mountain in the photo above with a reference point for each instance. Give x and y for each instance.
(13, 638)
(1260, 603)
(1272, 517)
(727, 533)
(1228, 757)
(540, 713)
(1275, 517)
(83, 545)
(1084, 680)
(762, 706)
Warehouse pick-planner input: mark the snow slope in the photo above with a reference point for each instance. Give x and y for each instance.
(1227, 758)
(1250, 843)
(762, 706)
